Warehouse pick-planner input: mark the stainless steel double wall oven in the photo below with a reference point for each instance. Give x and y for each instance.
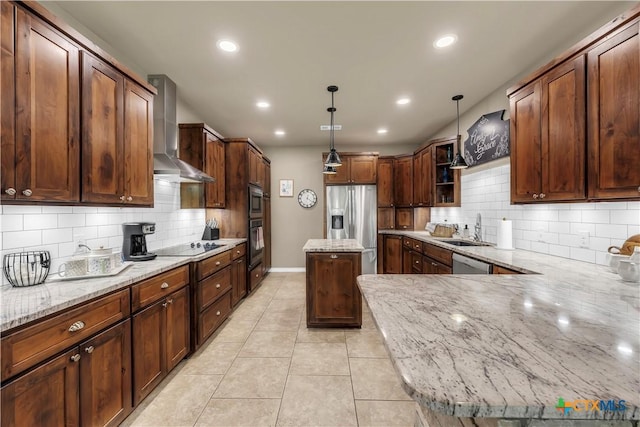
(256, 236)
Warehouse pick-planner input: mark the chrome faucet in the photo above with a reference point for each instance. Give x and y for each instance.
(478, 229)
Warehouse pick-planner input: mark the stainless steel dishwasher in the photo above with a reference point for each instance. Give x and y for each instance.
(466, 265)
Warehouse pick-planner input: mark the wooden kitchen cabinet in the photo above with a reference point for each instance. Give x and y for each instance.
(386, 218)
(385, 182)
(256, 169)
(404, 219)
(403, 181)
(266, 251)
(432, 266)
(392, 255)
(422, 166)
(238, 278)
(266, 188)
(446, 181)
(7, 101)
(202, 147)
(614, 116)
(503, 270)
(357, 168)
(42, 161)
(333, 296)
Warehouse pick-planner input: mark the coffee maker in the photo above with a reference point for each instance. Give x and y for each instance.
(134, 244)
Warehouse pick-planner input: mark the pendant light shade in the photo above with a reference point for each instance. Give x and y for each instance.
(458, 161)
(329, 170)
(333, 159)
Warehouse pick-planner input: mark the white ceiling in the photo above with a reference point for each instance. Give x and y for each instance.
(375, 52)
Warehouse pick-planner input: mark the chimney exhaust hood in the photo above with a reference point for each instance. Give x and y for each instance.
(166, 163)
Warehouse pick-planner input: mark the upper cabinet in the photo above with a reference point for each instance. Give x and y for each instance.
(43, 156)
(358, 168)
(256, 168)
(403, 180)
(446, 181)
(47, 71)
(581, 109)
(266, 188)
(202, 147)
(422, 167)
(385, 182)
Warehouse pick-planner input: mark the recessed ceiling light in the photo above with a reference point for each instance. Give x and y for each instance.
(445, 41)
(382, 131)
(279, 132)
(227, 45)
(403, 101)
(263, 104)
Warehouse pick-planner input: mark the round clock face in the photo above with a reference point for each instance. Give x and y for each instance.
(307, 198)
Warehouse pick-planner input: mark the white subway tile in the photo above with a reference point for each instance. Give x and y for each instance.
(578, 227)
(21, 239)
(84, 209)
(615, 231)
(11, 222)
(599, 243)
(559, 227)
(632, 205)
(97, 219)
(570, 216)
(40, 222)
(602, 259)
(596, 216)
(540, 225)
(71, 220)
(523, 244)
(611, 205)
(561, 251)
(85, 232)
(540, 247)
(21, 209)
(109, 230)
(633, 230)
(630, 217)
(581, 254)
(57, 209)
(59, 235)
(583, 206)
(67, 249)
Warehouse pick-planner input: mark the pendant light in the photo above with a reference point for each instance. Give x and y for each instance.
(458, 161)
(329, 170)
(333, 159)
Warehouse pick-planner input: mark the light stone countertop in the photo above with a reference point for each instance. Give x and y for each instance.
(332, 245)
(508, 346)
(21, 305)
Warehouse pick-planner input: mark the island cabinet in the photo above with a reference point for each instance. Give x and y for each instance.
(403, 181)
(202, 147)
(73, 368)
(161, 328)
(213, 295)
(357, 168)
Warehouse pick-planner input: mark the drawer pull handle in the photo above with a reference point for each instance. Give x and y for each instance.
(535, 196)
(76, 326)
(217, 285)
(334, 256)
(170, 301)
(217, 262)
(218, 313)
(12, 191)
(434, 264)
(129, 199)
(75, 357)
(122, 198)
(164, 304)
(164, 285)
(542, 195)
(27, 192)
(89, 349)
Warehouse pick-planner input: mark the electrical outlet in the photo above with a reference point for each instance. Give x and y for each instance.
(540, 236)
(584, 238)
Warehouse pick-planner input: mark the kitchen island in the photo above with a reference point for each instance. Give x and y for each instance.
(333, 297)
(488, 350)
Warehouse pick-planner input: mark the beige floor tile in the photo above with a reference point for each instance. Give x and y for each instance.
(317, 401)
(249, 312)
(240, 413)
(238, 331)
(180, 403)
(319, 335)
(261, 378)
(375, 379)
(287, 291)
(269, 344)
(285, 304)
(376, 413)
(287, 320)
(319, 359)
(365, 343)
(214, 358)
(367, 322)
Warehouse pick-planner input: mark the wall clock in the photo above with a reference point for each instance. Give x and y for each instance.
(307, 198)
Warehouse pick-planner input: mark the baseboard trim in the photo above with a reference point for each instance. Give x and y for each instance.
(287, 270)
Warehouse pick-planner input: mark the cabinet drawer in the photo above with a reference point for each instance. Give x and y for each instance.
(439, 254)
(213, 316)
(208, 266)
(416, 262)
(27, 347)
(213, 286)
(239, 251)
(153, 289)
(413, 244)
(256, 277)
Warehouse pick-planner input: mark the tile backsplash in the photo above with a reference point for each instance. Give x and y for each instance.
(58, 228)
(554, 229)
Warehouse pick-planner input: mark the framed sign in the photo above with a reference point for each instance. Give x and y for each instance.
(488, 139)
(286, 188)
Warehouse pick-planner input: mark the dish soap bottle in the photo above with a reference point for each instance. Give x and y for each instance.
(465, 232)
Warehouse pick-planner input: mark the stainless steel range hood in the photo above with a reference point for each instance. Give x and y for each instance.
(166, 163)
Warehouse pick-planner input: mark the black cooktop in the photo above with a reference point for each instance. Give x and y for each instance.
(187, 249)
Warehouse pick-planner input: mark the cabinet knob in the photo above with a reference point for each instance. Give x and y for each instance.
(217, 285)
(218, 313)
(76, 326)
(237, 252)
(27, 192)
(164, 304)
(170, 301)
(12, 191)
(404, 226)
(164, 285)
(217, 262)
(89, 349)
(542, 195)
(129, 199)
(256, 274)
(334, 256)
(122, 198)
(75, 357)
(417, 246)
(434, 264)
(535, 196)
(417, 262)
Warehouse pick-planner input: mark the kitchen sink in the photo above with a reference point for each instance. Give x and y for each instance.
(464, 243)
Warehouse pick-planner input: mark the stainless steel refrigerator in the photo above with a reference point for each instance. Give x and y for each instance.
(351, 214)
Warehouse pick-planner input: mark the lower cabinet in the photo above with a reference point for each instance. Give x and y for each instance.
(392, 254)
(238, 279)
(431, 266)
(213, 291)
(88, 385)
(255, 277)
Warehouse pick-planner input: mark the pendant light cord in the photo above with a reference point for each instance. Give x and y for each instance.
(332, 130)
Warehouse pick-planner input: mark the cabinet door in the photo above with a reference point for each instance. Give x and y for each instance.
(406, 261)
(525, 143)
(431, 266)
(102, 132)
(267, 235)
(343, 174)
(214, 166)
(392, 259)
(177, 327)
(7, 102)
(105, 377)
(254, 164)
(404, 218)
(417, 180)
(563, 132)
(138, 145)
(267, 179)
(149, 355)
(47, 113)
(403, 181)
(426, 163)
(614, 116)
(238, 280)
(46, 396)
(386, 218)
(385, 183)
(363, 169)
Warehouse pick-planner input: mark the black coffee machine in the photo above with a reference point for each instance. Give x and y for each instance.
(134, 244)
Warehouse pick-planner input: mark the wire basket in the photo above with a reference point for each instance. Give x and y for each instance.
(26, 268)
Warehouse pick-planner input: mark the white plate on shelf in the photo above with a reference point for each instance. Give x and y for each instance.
(55, 277)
